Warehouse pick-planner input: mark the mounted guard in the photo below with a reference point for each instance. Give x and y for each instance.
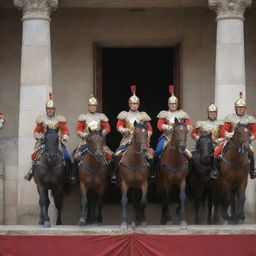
(58, 123)
(166, 120)
(125, 126)
(95, 121)
(227, 132)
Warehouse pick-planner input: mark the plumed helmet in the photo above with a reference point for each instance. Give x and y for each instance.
(92, 100)
(50, 103)
(172, 99)
(133, 98)
(212, 108)
(240, 102)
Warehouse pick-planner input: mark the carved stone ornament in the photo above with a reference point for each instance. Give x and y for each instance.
(36, 7)
(229, 8)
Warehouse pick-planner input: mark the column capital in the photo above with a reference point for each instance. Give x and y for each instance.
(229, 9)
(36, 9)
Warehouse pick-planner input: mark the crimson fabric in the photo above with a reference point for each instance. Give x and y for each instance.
(132, 244)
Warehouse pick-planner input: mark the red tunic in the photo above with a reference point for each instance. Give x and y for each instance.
(227, 127)
(162, 121)
(81, 125)
(123, 124)
(62, 125)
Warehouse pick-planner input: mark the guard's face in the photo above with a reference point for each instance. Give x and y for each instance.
(240, 111)
(50, 112)
(134, 106)
(173, 106)
(212, 115)
(92, 108)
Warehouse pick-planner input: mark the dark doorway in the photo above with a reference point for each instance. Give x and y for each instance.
(151, 69)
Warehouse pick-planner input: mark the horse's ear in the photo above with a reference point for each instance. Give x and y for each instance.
(209, 135)
(89, 129)
(135, 123)
(176, 120)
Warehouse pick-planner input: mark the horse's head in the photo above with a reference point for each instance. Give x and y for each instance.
(179, 135)
(96, 142)
(205, 148)
(140, 136)
(51, 144)
(241, 137)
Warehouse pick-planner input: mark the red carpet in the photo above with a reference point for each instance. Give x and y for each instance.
(133, 244)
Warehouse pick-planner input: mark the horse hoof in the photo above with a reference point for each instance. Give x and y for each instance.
(143, 224)
(225, 223)
(59, 223)
(47, 224)
(82, 222)
(169, 223)
(183, 224)
(239, 222)
(124, 226)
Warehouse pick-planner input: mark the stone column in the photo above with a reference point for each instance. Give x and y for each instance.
(35, 84)
(230, 67)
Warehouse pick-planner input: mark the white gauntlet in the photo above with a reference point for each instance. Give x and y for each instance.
(38, 136)
(82, 135)
(219, 140)
(197, 138)
(65, 137)
(123, 130)
(252, 138)
(229, 134)
(167, 127)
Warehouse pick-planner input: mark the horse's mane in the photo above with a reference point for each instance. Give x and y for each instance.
(95, 132)
(180, 123)
(241, 125)
(141, 125)
(207, 136)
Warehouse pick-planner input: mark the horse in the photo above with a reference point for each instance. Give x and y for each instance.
(173, 168)
(50, 174)
(199, 178)
(92, 170)
(134, 173)
(234, 168)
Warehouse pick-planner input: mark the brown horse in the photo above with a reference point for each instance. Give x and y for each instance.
(134, 173)
(173, 168)
(92, 170)
(49, 174)
(234, 169)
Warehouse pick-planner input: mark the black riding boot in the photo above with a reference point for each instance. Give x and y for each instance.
(215, 169)
(70, 168)
(30, 173)
(114, 171)
(252, 166)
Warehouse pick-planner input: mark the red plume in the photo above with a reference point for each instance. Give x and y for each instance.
(50, 95)
(171, 88)
(133, 89)
(241, 94)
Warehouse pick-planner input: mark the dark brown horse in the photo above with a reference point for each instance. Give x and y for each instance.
(200, 182)
(92, 170)
(234, 169)
(173, 168)
(49, 174)
(134, 173)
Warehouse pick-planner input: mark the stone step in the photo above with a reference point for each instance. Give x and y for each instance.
(115, 230)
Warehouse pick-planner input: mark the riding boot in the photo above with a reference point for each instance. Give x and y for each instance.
(215, 169)
(30, 173)
(70, 168)
(252, 166)
(114, 171)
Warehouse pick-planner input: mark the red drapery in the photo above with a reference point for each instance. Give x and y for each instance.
(132, 244)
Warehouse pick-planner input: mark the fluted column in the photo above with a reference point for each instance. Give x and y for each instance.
(35, 84)
(230, 64)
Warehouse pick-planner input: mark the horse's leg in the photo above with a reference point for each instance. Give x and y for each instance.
(166, 216)
(58, 198)
(210, 204)
(239, 210)
(143, 202)
(136, 205)
(226, 202)
(84, 205)
(44, 205)
(100, 204)
(197, 205)
(182, 202)
(124, 202)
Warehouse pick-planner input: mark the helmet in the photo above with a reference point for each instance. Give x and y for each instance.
(133, 98)
(50, 103)
(92, 101)
(212, 108)
(172, 99)
(240, 102)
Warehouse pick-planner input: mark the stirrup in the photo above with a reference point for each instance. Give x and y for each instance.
(28, 176)
(214, 174)
(114, 179)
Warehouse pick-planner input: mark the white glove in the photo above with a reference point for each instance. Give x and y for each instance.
(124, 130)
(197, 138)
(82, 135)
(38, 136)
(219, 140)
(65, 137)
(252, 138)
(167, 127)
(104, 133)
(229, 134)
